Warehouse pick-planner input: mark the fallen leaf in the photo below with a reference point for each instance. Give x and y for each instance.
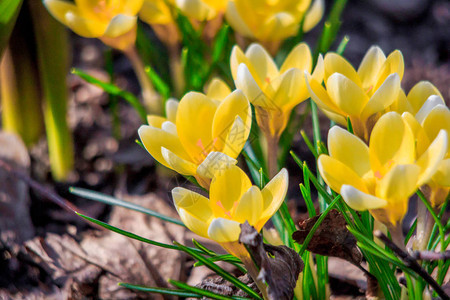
(331, 238)
(279, 266)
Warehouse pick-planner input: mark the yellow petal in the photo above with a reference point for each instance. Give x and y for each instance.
(215, 164)
(227, 188)
(155, 121)
(155, 12)
(300, 58)
(430, 161)
(223, 230)
(335, 174)
(393, 64)
(370, 67)
(218, 89)
(171, 110)
(194, 124)
(427, 107)
(237, 137)
(335, 63)
(420, 93)
(273, 196)
(120, 25)
(196, 9)
(178, 164)
(155, 138)
(383, 97)
(236, 21)
(349, 149)
(319, 70)
(277, 27)
(194, 224)
(313, 16)
(194, 203)
(262, 62)
(237, 57)
(399, 183)
(391, 142)
(246, 82)
(438, 118)
(235, 104)
(442, 176)
(70, 15)
(359, 200)
(422, 140)
(250, 207)
(320, 96)
(132, 7)
(291, 90)
(401, 104)
(347, 95)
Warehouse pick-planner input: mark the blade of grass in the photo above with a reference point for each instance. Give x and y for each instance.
(162, 291)
(200, 291)
(219, 271)
(113, 90)
(135, 236)
(100, 197)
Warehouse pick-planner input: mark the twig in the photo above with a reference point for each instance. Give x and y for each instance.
(42, 190)
(430, 255)
(411, 263)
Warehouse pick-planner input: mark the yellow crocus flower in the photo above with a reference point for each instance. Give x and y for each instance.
(361, 95)
(274, 92)
(202, 10)
(382, 176)
(202, 134)
(157, 12)
(273, 20)
(112, 21)
(232, 201)
(428, 121)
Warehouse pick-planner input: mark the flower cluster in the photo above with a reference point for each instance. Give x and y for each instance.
(114, 22)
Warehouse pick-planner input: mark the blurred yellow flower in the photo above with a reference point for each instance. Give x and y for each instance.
(157, 12)
(382, 176)
(362, 95)
(201, 134)
(428, 121)
(202, 10)
(274, 92)
(114, 21)
(273, 20)
(232, 201)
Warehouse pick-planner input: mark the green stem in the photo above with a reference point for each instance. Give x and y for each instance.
(150, 97)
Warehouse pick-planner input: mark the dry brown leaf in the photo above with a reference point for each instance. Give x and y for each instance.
(279, 265)
(331, 238)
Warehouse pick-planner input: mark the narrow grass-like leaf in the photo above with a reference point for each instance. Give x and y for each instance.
(113, 90)
(159, 84)
(219, 271)
(135, 236)
(342, 45)
(309, 143)
(203, 248)
(100, 197)
(205, 293)
(9, 11)
(162, 291)
(349, 125)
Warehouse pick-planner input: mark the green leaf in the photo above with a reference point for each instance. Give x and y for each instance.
(163, 291)
(341, 48)
(220, 44)
(100, 197)
(9, 10)
(219, 271)
(113, 90)
(135, 236)
(159, 84)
